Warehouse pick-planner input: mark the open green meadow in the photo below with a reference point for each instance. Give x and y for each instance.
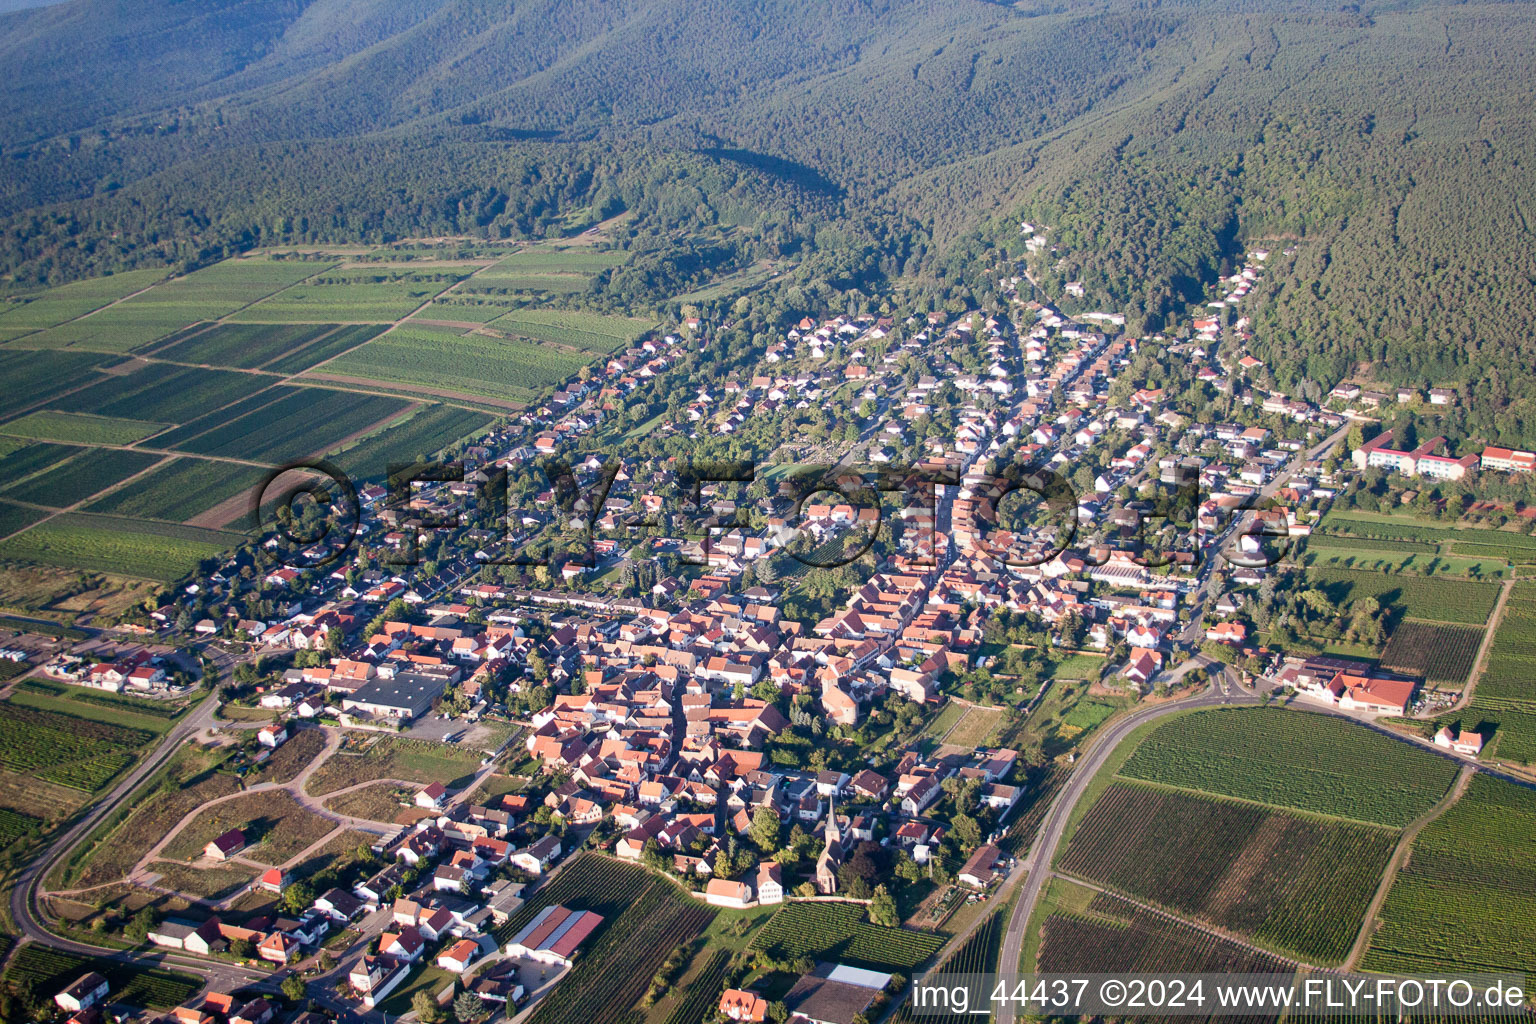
(1466, 899)
(66, 302)
(207, 294)
(124, 547)
(593, 332)
(354, 296)
(1416, 597)
(89, 472)
(1293, 759)
(81, 427)
(180, 490)
(304, 421)
(441, 358)
(163, 394)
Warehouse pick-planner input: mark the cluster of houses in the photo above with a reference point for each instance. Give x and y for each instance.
(86, 998)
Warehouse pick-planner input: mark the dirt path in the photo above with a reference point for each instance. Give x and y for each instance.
(1399, 858)
(1481, 661)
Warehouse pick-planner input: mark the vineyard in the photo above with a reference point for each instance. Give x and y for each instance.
(56, 305)
(1112, 934)
(302, 422)
(328, 347)
(466, 363)
(181, 489)
(703, 992)
(1292, 883)
(978, 956)
(1506, 692)
(1466, 900)
(15, 826)
(839, 931)
(70, 751)
(81, 427)
(1415, 597)
(76, 479)
(427, 432)
(1439, 653)
(36, 973)
(1292, 759)
(125, 547)
(645, 918)
(163, 394)
(1400, 536)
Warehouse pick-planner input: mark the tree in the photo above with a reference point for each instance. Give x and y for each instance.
(139, 928)
(426, 1007)
(242, 948)
(882, 908)
(468, 1007)
(293, 988)
(297, 897)
(765, 829)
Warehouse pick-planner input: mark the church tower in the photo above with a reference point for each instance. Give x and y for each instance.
(831, 854)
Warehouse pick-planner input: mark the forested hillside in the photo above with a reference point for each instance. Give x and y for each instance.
(1390, 145)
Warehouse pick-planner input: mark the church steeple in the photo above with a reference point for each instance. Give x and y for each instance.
(833, 835)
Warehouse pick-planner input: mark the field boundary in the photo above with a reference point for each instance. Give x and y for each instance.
(1480, 663)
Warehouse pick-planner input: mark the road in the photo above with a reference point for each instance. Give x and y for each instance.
(1051, 831)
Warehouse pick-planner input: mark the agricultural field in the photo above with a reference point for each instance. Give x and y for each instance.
(125, 547)
(78, 702)
(181, 490)
(33, 378)
(29, 460)
(1111, 934)
(301, 423)
(1393, 533)
(840, 932)
(428, 431)
(1415, 597)
(466, 309)
(592, 332)
(15, 826)
(54, 306)
(14, 517)
(1437, 652)
(81, 427)
(90, 472)
(976, 728)
(1292, 759)
(67, 750)
(328, 347)
(1294, 884)
(161, 393)
(1466, 899)
(355, 296)
(442, 358)
(276, 826)
(36, 972)
(393, 757)
(246, 346)
(977, 956)
(380, 801)
(207, 294)
(1506, 691)
(555, 261)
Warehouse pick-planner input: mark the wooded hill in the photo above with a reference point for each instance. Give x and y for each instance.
(1390, 143)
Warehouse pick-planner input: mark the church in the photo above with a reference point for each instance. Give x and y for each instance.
(831, 854)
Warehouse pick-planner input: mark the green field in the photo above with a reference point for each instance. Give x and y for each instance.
(67, 749)
(474, 309)
(33, 378)
(1504, 703)
(82, 427)
(1417, 597)
(207, 294)
(553, 261)
(90, 471)
(1294, 759)
(1466, 900)
(14, 517)
(164, 394)
(124, 547)
(33, 458)
(180, 490)
(841, 933)
(303, 422)
(423, 434)
(1297, 885)
(38, 972)
(242, 345)
(354, 296)
(56, 305)
(436, 357)
(593, 332)
(1437, 652)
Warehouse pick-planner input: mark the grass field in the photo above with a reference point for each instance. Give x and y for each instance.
(163, 394)
(1438, 652)
(841, 933)
(392, 757)
(181, 490)
(593, 332)
(81, 427)
(206, 294)
(125, 547)
(977, 728)
(78, 702)
(302, 422)
(437, 357)
(1438, 600)
(380, 801)
(1293, 759)
(425, 433)
(33, 378)
(55, 305)
(1466, 900)
(1297, 885)
(275, 824)
(90, 471)
(354, 296)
